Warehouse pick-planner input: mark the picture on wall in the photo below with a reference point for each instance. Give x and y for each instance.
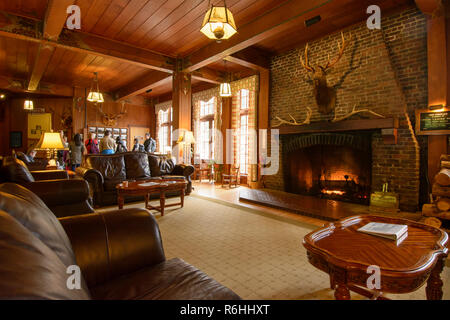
(38, 123)
(15, 139)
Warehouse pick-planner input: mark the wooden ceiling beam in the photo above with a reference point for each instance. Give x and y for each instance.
(267, 25)
(20, 85)
(208, 75)
(151, 80)
(16, 27)
(252, 58)
(54, 21)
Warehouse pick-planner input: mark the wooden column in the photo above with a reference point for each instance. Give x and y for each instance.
(438, 75)
(226, 124)
(181, 104)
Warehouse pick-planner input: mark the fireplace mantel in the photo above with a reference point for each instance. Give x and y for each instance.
(345, 125)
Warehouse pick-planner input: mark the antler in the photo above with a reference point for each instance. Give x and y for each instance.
(354, 111)
(306, 64)
(341, 52)
(294, 122)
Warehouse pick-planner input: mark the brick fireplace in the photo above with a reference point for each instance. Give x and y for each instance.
(383, 71)
(334, 166)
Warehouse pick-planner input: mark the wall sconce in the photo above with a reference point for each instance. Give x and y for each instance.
(2, 96)
(28, 105)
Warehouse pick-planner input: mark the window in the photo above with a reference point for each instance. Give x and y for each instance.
(165, 131)
(206, 134)
(243, 137)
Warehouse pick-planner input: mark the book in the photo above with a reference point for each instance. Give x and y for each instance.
(385, 230)
(148, 184)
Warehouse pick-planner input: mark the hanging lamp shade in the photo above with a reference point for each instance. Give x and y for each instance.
(219, 23)
(28, 105)
(225, 89)
(95, 95)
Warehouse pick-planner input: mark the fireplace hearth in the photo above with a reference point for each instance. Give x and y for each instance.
(330, 166)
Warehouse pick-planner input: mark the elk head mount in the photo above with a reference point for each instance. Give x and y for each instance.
(110, 119)
(325, 95)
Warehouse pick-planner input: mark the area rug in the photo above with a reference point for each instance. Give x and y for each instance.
(256, 255)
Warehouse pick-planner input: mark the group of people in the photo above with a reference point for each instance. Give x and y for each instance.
(107, 145)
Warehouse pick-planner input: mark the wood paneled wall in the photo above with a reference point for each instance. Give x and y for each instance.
(14, 118)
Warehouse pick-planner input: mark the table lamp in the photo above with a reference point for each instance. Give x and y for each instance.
(186, 138)
(51, 142)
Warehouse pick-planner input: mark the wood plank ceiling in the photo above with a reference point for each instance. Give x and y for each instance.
(167, 27)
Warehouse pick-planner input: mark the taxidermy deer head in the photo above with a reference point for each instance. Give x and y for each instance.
(325, 96)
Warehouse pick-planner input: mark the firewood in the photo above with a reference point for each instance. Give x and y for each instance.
(443, 204)
(445, 157)
(443, 177)
(440, 191)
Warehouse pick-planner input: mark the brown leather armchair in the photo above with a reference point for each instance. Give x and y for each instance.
(119, 253)
(64, 196)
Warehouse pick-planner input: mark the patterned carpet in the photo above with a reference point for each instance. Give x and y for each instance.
(257, 256)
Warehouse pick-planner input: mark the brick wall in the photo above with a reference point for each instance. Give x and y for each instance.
(383, 70)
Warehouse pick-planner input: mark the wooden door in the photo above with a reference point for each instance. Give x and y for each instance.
(138, 132)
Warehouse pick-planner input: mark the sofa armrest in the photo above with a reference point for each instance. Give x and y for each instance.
(183, 170)
(59, 192)
(114, 243)
(50, 175)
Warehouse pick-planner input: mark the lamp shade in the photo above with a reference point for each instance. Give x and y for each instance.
(50, 140)
(218, 23)
(186, 137)
(225, 90)
(28, 105)
(96, 97)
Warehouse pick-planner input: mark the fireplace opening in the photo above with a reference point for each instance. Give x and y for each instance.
(331, 171)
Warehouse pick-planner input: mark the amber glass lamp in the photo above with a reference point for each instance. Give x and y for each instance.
(218, 23)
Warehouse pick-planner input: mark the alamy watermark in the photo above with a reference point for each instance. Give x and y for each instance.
(74, 19)
(374, 21)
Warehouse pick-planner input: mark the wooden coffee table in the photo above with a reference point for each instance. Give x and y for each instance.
(161, 187)
(346, 254)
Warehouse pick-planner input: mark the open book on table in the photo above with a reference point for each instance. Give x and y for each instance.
(385, 230)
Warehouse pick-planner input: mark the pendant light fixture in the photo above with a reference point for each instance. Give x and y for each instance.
(28, 105)
(218, 23)
(95, 95)
(225, 88)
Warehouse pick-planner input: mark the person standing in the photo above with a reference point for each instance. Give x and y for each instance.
(149, 143)
(92, 145)
(107, 144)
(120, 145)
(137, 146)
(77, 150)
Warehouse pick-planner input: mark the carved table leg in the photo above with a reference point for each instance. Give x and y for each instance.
(182, 198)
(147, 198)
(434, 284)
(342, 292)
(162, 202)
(120, 201)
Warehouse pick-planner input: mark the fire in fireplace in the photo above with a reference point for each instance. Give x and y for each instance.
(337, 171)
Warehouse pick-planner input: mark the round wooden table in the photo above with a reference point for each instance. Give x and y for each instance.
(146, 188)
(350, 256)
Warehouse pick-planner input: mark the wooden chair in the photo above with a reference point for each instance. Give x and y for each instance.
(232, 178)
(204, 171)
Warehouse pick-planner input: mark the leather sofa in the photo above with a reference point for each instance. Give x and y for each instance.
(64, 196)
(104, 172)
(32, 164)
(119, 253)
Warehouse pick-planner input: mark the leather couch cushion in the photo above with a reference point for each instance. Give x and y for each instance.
(111, 167)
(154, 165)
(137, 165)
(110, 185)
(29, 210)
(29, 268)
(169, 280)
(14, 170)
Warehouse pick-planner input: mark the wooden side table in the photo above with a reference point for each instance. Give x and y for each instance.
(346, 255)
